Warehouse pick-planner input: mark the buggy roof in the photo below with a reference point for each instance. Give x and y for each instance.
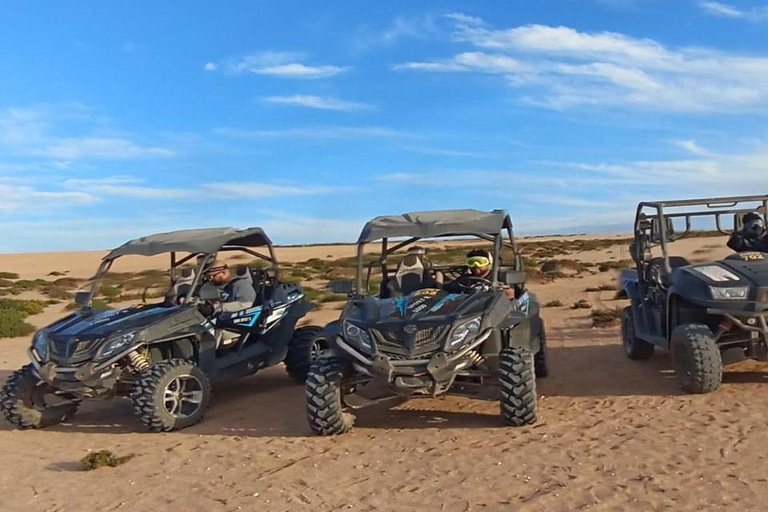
(207, 241)
(436, 223)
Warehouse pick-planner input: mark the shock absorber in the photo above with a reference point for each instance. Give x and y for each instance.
(138, 361)
(475, 358)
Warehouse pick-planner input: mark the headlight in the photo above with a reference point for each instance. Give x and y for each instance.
(729, 292)
(40, 345)
(717, 273)
(116, 344)
(465, 331)
(357, 335)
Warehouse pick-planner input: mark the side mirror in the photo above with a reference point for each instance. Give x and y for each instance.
(656, 230)
(346, 286)
(83, 299)
(209, 292)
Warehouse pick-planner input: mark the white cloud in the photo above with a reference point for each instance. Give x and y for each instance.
(211, 66)
(318, 102)
(402, 27)
(256, 190)
(35, 131)
(135, 188)
(561, 67)
(22, 197)
(281, 64)
(322, 132)
(754, 14)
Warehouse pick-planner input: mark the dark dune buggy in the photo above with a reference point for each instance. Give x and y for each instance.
(163, 356)
(707, 314)
(412, 338)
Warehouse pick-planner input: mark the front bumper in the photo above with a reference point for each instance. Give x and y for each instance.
(432, 375)
(751, 321)
(89, 379)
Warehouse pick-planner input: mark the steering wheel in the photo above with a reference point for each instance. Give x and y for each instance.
(474, 283)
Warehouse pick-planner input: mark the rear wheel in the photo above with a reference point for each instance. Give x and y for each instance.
(325, 411)
(304, 347)
(697, 358)
(28, 402)
(634, 347)
(171, 395)
(517, 386)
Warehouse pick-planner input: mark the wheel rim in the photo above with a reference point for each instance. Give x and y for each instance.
(318, 349)
(183, 396)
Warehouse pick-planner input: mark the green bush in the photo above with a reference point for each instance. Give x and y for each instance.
(554, 304)
(582, 304)
(605, 317)
(605, 266)
(9, 275)
(110, 292)
(12, 315)
(602, 288)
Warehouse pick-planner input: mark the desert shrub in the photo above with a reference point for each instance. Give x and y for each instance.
(605, 266)
(12, 315)
(6, 283)
(602, 288)
(553, 304)
(581, 304)
(9, 275)
(110, 292)
(103, 458)
(605, 317)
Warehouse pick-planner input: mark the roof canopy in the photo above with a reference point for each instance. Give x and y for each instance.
(436, 223)
(205, 241)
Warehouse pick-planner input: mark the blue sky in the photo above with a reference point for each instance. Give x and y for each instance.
(119, 119)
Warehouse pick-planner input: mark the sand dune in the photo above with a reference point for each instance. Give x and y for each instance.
(613, 434)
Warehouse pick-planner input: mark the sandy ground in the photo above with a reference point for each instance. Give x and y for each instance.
(613, 434)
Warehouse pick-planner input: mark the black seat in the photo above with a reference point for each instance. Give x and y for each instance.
(656, 272)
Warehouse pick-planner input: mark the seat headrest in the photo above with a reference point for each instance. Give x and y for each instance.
(241, 271)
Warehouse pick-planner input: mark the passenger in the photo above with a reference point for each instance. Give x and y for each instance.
(752, 236)
(479, 266)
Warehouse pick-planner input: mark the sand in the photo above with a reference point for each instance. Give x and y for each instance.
(613, 434)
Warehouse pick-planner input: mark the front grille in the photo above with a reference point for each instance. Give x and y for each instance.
(71, 352)
(405, 344)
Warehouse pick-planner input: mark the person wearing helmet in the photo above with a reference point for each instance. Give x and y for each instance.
(477, 276)
(752, 236)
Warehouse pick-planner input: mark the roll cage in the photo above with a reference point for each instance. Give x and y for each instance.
(211, 241)
(434, 224)
(654, 225)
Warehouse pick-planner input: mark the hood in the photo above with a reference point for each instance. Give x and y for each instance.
(428, 305)
(750, 266)
(95, 324)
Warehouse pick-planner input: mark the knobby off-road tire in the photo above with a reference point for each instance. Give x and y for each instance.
(517, 386)
(22, 401)
(634, 347)
(302, 350)
(325, 411)
(697, 359)
(541, 359)
(171, 395)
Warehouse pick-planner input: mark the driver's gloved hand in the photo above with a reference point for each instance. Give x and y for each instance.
(209, 308)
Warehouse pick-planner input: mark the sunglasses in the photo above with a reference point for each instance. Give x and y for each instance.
(478, 261)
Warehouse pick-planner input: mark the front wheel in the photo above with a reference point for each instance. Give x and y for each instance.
(325, 411)
(171, 395)
(517, 386)
(28, 402)
(697, 359)
(304, 347)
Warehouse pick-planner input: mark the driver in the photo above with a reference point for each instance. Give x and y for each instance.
(237, 293)
(479, 267)
(752, 236)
